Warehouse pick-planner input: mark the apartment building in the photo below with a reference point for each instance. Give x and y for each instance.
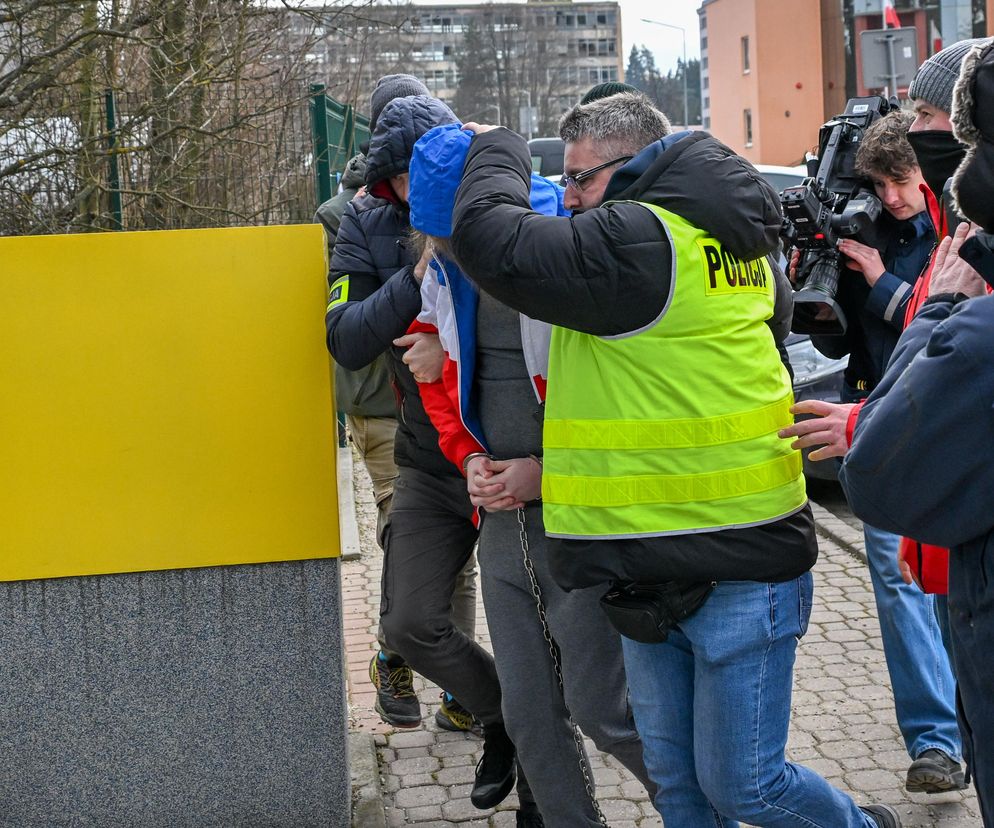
(772, 71)
(521, 63)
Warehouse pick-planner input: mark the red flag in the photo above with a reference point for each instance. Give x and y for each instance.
(891, 20)
(936, 37)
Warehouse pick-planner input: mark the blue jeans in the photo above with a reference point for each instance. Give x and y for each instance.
(712, 704)
(917, 660)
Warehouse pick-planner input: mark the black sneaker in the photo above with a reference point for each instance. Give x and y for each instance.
(454, 717)
(935, 772)
(396, 701)
(495, 770)
(883, 815)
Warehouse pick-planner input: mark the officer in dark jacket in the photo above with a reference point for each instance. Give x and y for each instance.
(375, 297)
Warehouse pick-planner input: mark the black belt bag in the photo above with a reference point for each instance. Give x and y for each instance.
(647, 612)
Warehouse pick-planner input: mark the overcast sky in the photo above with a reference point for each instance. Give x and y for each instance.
(666, 44)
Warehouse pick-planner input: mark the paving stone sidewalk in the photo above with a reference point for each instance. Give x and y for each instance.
(843, 723)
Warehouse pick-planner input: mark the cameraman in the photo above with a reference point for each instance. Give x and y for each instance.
(875, 303)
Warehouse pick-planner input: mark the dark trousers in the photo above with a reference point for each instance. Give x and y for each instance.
(429, 539)
(971, 621)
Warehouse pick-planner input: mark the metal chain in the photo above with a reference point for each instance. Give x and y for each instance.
(554, 652)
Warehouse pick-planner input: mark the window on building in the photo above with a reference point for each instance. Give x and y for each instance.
(602, 20)
(747, 119)
(581, 20)
(745, 54)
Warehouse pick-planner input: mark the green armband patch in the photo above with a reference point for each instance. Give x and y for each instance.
(339, 292)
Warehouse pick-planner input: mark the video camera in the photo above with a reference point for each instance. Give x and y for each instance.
(834, 202)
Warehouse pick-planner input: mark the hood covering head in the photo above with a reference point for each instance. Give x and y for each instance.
(436, 171)
(355, 173)
(388, 88)
(973, 125)
(401, 123)
(936, 77)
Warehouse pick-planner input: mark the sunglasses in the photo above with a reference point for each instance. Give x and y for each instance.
(577, 181)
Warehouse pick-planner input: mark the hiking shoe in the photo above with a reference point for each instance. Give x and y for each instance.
(454, 717)
(935, 772)
(495, 770)
(883, 815)
(396, 701)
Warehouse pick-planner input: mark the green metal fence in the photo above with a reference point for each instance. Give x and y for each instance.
(338, 131)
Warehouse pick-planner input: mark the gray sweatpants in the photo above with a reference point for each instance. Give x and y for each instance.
(535, 709)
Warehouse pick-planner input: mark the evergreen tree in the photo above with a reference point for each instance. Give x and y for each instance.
(475, 98)
(635, 71)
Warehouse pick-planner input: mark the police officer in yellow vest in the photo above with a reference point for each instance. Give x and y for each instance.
(664, 479)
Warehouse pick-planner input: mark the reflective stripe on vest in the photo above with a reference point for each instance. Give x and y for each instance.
(672, 429)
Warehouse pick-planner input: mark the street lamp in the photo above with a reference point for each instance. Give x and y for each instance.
(683, 31)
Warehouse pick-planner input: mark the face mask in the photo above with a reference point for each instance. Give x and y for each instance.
(938, 154)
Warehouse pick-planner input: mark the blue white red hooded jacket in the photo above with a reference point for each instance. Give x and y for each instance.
(450, 299)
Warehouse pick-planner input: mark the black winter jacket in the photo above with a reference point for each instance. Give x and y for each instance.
(374, 270)
(606, 272)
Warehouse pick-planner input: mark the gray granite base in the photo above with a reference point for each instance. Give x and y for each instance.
(202, 697)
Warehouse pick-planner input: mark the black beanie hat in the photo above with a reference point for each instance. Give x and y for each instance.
(605, 90)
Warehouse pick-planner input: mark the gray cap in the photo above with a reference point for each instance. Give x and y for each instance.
(390, 87)
(936, 77)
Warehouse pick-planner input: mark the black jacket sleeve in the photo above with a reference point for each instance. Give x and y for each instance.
(365, 314)
(919, 464)
(604, 272)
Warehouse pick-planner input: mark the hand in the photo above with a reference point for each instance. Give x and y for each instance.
(502, 485)
(907, 573)
(795, 260)
(827, 428)
(424, 355)
(360, 192)
(479, 129)
(521, 478)
(422, 265)
(484, 493)
(863, 258)
(951, 274)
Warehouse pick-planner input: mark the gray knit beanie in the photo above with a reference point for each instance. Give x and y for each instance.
(936, 77)
(390, 87)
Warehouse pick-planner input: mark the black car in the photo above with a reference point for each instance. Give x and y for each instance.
(547, 156)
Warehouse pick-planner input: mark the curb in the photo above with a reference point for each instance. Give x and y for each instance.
(839, 532)
(367, 792)
(347, 524)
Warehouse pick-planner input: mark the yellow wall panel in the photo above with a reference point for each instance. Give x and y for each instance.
(165, 401)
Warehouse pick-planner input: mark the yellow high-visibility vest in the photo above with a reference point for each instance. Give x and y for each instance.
(671, 429)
